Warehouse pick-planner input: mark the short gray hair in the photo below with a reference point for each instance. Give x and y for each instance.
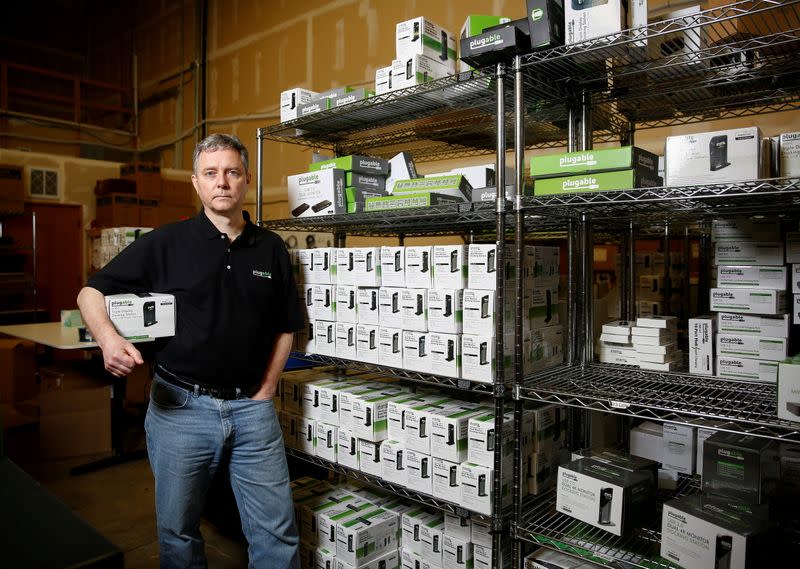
(220, 141)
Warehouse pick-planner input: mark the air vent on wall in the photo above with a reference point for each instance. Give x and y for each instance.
(44, 183)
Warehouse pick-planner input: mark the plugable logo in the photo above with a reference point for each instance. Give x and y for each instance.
(735, 271)
(733, 341)
(577, 160)
(731, 317)
(372, 164)
(585, 183)
(309, 179)
(676, 516)
(732, 454)
(722, 294)
(647, 162)
(491, 39)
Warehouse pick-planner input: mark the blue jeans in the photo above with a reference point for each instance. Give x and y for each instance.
(187, 436)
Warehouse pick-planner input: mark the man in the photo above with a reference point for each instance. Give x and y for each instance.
(215, 379)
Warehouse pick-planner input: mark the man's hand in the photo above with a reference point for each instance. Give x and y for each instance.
(264, 394)
(120, 356)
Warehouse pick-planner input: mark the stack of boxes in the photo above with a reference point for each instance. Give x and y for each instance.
(112, 240)
(752, 324)
(651, 295)
(649, 342)
(298, 102)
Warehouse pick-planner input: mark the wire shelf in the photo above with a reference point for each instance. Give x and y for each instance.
(543, 525)
(398, 373)
(724, 404)
(402, 491)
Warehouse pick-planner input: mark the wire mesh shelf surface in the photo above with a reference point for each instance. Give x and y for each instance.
(724, 404)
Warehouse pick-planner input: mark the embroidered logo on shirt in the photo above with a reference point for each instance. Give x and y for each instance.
(262, 274)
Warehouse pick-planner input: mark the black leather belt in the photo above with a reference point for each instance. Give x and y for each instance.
(200, 389)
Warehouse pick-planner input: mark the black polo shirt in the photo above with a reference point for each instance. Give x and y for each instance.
(231, 299)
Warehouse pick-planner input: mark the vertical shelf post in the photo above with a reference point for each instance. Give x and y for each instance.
(259, 175)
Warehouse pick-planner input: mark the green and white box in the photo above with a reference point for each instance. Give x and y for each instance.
(367, 343)
(348, 448)
(417, 70)
(455, 186)
(401, 167)
(390, 346)
(142, 316)
(346, 340)
(482, 272)
(445, 310)
(303, 266)
(483, 439)
(390, 301)
(370, 420)
(736, 367)
(431, 535)
(745, 229)
(308, 512)
(446, 484)
(449, 430)
(477, 487)
(409, 559)
(383, 80)
(407, 200)
(353, 96)
(478, 359)
(390, 560)
(415, 309)
(327, 441)
(411, 524)
(418, 426)
(449, 266)
(794, 278)
(317, 193)
(549, 426)
(346, 304)
(419, 266)
(478, 176)
(752, 277)
(458, 527)
(748, 301)
(353, 163)
(701, 344)
(367, 266)
(307, 435)
(368, 299)
(345, 262)
(595, 160)
(479, 311)
(369, 458)
(291, 101)
(583, 22)
(419, 471)
(421, 36)
(396, 414)
(393, 467)
(596, 182)
(323, 265)
(749, 253)
(324, 298)
(457, 552)
(393, 266)
(748, 346)
(789, 144)
(366, 537)
(312, 107)
(325, 337)
(329, 519)
(445, 354)
(544, 307)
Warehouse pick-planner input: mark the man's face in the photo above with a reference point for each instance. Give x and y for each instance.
(221, 181)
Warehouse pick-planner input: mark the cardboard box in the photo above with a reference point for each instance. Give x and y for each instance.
(423, 37)
(748, 301)
(367, 266)
(149, 315)
(17, 370)
(178, 193)
(346, 304)
(596, 160)
(419, 471)
(478, 359)
(446, 485)
(714, 157)
(147, 177)
(367, 343)
(353, 163)
(450, 266)
(368, 305)
(496, 43)
(415, 70)
(602, 182)
(445, 310)
(409, 200)
(312, 107)
(702, 434)
(347, 452)
(482, 272)
(353, 96)
(455, 186)
(327, 441)
(390, 346)
(749, 253)
(483, 439)
(477, 176)
(458, 553)
(393, 468)
(369, 458)
(370, 420)
(585, 21)
(745, 229)
(701, 345)
(325, 337)
(292, 99)
(393, 264)
(646, 440)
(317, 193)
(324, 298)
(345, 261)
(383, 80)
(751, 277)
(323, 265)
(789, 148)
(114, 210)
(419, 266)
(75, 414)
(412, 523)
(542, 468)
(431, 535)
(479, 312)
(679, 448)
(401, 167)
(329, 518)
(445, 354)
(346, 340)
(789, 389)
(477, 487)
(736, 367)
(756, 347)
(604, 495)
(741, 467)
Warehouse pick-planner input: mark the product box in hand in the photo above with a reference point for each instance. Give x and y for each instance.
(317, 193)
(596, 182)
(714, 157)
(420, 36)
(291, 101)
(595, 160)
(353, 163)
(142, 316)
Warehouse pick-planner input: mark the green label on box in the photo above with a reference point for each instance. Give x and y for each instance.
(406, 201)
(598, 182)
(604, 159)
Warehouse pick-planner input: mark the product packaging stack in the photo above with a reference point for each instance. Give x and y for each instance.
(599, 170)
(750, 298)
(113, 240)
(424, 51)
(615, 346)
(655, 340)
(298, 102)
(651, 293)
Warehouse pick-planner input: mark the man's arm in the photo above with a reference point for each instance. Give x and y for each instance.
(275, 365)
(119, 355)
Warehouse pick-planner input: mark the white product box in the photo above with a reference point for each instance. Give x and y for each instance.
(389, 560)
(409, 559)
(393, 467)
(401, 167)
(325, 337)
(310, 404)
(421, 36)
(419, 267)
(445, 354)
(390, 347)
(794, 278)
(701, 345)
(292, 99)
(412, 523)
(416, 351)
(311, 511)
(747, 368)
(546, 263)
(307, 435)
(479, 311)
(417, 429)
(756, 347)
(368, 300)
(483, 439)
(621, 339)
(648, 308)
(346, 304)
(477, 487)
(323, 265)
(682, 46)
(293, 386)
(748, 301)
(327, 441)
(477, 176)
(302, 262)
(457, 552)
(317, 193)
(432, 535)
(396, 414)
(369, 458)
(544, 306)
(445, 480)
(746, 229)
(789, 390)
(367, 537)
(587, 20)
(796, 309)
(668, 322)
(789, 145)
(751, 277)
(714, 157)
(367, 266)
(414, 306)
(793, 247)
(367, 343)
(458, 526)
(679, 448)
(729, 253)
(346, 340)
(481, 533)
(370, 418)
(482, 272)
(542, 468)
(348, 448)
(617, 355)
(329, 396)
(147, 315)
(548, 427)
(698, 533)
(289, 428)
(345, 266)
(306, 294)
(478, 361)
(449, 266)
(416, 70)
(419, 471)
(445, 310)
(449, 429)
(390, 301)
(393, 266)
(702, 434)
(348, 395)
(753, 324)
(324, 298)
